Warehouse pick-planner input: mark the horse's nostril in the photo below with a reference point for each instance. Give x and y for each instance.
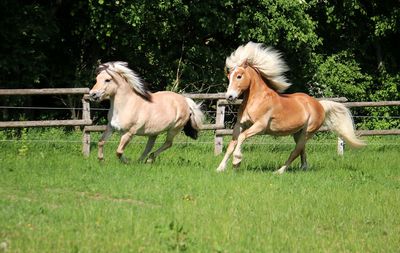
(93, 95)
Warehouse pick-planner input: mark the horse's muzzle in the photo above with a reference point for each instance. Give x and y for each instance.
(231, 96)
(95, 96)
(231, 99)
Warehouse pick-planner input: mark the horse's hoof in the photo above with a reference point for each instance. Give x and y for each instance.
(220, 170)
(236, 165)
(124, 160)
(101, 159)
(280, 171)
(150, 160)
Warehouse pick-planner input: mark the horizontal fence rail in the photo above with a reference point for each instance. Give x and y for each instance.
(49, 123)
(45, 123)
(219, 127)
(55, 91)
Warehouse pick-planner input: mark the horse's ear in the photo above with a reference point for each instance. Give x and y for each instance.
(226, 70)
(245, 64)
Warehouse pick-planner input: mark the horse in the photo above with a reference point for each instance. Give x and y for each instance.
(256, 72)
(134, 110)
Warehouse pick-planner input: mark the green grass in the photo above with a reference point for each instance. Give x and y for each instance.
(52, 199)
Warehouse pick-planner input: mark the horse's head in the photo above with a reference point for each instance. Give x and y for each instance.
(239, 81)
(106, 85)
(255, 59)
(116, 75)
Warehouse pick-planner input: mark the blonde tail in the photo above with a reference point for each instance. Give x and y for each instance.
(195, 122)
(338, 119)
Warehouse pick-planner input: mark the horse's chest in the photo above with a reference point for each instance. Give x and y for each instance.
(116, 122)
(251, 115)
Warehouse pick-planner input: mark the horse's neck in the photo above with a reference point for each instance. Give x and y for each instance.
(259, 90)
(258, 98)
(122, 98)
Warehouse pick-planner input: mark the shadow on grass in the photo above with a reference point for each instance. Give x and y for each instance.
(271, 168)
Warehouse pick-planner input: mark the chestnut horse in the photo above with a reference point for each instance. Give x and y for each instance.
(135, 110)
(257, 73)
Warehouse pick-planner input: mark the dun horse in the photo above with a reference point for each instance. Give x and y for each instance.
(136, 111)
(257, 73)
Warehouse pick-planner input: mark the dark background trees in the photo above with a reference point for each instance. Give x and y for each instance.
(334, 48)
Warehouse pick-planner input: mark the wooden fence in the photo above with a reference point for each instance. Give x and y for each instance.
(49, 123)
(219, 126)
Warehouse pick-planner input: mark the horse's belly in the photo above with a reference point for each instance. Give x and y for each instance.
(282, 131)
(284, 127)
(151, 130)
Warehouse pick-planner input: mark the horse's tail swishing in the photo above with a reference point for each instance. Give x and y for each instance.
(338, 119)
(195, 121)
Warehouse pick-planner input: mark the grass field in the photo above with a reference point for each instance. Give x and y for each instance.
(52, 199)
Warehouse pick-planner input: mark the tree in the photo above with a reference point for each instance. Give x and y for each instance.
(333, 48)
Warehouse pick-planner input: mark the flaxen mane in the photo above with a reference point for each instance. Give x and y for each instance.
(134, 80)
(266, 60)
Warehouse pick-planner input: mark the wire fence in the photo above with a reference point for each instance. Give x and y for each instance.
(230, 113)
(210, 112)
(230, 110)
(249, 142)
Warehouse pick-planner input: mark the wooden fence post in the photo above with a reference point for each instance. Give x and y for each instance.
(86, 134)
(219, 120)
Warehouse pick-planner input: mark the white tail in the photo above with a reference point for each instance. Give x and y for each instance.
(197, 116)
(338, 119)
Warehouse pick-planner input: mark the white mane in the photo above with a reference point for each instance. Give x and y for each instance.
(129, 75)
(266, 59)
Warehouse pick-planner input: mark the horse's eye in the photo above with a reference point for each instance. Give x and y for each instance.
(239, 77)
(108, 80)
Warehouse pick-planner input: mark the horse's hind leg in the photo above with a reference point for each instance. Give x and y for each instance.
(299, 149)
(167, 144)
(150, 144)
(303, 155)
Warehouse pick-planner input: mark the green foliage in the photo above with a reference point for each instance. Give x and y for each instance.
(386, 88)
(27, 33)
(181, 45)
(340, 75)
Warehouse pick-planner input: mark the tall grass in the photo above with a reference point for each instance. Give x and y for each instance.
(54, 200)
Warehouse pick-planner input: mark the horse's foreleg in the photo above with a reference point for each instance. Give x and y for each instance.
(228, 153)
(231, 147)
(253, 130)
(167, 144)
(150, 144)
(125, 139)
(104, 137)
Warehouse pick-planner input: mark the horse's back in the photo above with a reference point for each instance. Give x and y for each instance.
(171, 106)
(170, 99)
